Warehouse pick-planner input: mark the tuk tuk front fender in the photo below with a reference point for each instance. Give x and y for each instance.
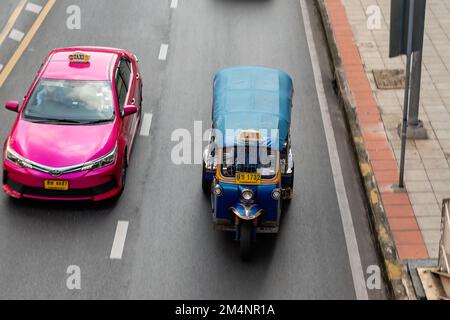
(247, 212)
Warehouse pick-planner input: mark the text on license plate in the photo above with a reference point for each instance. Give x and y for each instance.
(248, 178)
(56, 185)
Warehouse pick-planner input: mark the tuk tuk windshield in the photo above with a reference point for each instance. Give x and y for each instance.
(249, 160)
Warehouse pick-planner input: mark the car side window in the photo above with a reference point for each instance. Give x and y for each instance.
(121, 90)
(125, 71)
(122, 81)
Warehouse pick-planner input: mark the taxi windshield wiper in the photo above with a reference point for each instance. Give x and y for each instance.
(51, 120)
(98, 121)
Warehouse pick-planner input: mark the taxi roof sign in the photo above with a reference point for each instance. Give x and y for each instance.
(79, 57)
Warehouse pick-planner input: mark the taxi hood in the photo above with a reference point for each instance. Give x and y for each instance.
(63, 145)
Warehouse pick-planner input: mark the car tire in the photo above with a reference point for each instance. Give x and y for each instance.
(124, 173)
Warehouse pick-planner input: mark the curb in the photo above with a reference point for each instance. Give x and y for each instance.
(396, 274)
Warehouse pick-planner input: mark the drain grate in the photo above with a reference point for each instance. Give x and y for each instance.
(389, 79)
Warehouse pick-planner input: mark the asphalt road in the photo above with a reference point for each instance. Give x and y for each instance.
(171, 250)
(5, 12)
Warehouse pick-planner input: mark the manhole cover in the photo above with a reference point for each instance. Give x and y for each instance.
(389, 79)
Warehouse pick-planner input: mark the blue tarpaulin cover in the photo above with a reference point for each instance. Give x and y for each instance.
(253, 98)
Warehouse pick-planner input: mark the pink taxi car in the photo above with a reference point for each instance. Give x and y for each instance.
(75, 129)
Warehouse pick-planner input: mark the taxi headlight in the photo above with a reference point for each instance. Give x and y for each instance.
(102, 162)
(15, 158)
(276, 194)
(247, 194)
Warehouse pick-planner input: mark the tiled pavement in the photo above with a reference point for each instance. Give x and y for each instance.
(428, 161)
(414, 218)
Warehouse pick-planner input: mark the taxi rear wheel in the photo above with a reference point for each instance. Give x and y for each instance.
(246, 231)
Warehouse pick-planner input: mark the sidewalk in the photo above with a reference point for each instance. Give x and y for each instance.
(428, 161)
(415, 217)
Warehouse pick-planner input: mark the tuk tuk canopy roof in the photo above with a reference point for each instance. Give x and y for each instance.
(256, 99)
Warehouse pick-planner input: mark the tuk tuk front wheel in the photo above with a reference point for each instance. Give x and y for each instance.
(245, 239)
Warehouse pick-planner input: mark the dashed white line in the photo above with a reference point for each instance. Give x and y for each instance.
(1, 67)
(32, 7)
(174, 4)
(16, 35)
(119, 240)
(12, 20)
(359, 281)
(146, 124)
(163, 52)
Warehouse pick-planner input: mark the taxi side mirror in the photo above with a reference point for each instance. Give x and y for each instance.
(129, 110)
(12, 105)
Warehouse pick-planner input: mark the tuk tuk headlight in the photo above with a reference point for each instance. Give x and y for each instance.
(218, 190)
(276, 194)
(247, 194)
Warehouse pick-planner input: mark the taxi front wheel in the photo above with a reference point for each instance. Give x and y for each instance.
(124, 173)
(123, 178)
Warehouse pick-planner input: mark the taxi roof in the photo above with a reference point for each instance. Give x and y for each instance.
(98, 68)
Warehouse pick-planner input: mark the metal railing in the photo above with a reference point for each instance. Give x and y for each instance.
(444, 247)
(436, 279)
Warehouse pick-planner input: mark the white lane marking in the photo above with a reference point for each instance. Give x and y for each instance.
(359, 281)
(32, 7)
(1, 67)
(119, 240)
(16, 35)
(163, 52)
(146, 124)
(174, 4)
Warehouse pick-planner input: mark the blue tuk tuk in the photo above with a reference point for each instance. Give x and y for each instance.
(248, 166)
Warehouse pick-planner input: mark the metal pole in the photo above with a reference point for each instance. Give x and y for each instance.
(401, 183)
(416, 79)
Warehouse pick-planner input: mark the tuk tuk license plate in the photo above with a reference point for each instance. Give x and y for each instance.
(56, 185)
(248, 178)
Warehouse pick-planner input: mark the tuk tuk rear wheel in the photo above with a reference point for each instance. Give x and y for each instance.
(206, 187)
(291, 186)
(245, 240)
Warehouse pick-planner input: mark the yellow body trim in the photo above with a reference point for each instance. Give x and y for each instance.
(221, 178)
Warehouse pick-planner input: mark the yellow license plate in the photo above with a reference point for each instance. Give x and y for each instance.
(56, 185)
(248, 178)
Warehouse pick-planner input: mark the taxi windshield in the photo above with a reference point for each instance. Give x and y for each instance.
(70, 101)
(245, 159)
